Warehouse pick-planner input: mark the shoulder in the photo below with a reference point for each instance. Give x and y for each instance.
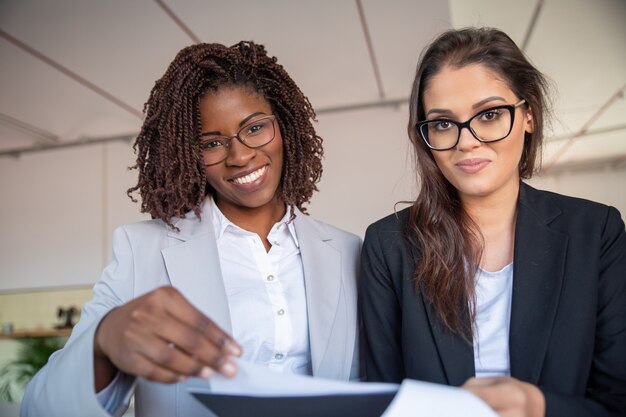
(332, 232)
(143, 228)
(586, 220)
(385, 238)
(389, 226)
(560, 209)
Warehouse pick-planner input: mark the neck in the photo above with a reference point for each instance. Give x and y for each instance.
(494, 209)
(495, 217)
(259, 220)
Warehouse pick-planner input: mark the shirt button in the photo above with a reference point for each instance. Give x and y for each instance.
(278, 356)
(276, 243)
(281, 312)
(270, 278)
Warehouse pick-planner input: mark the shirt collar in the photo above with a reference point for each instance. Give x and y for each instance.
(221, 224)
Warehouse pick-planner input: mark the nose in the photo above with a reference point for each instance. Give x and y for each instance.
(467, 141)
(239, 154)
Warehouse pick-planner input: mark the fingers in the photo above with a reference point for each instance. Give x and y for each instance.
(192, 317)
(508, 396)
(498, 393)
(182, 348)
(162, 337)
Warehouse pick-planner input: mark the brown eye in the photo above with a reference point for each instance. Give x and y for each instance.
(442, 125)
(490, 115)
(211, 144)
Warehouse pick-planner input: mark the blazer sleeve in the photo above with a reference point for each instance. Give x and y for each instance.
(380, 312)
(606, 387)
(65, 386)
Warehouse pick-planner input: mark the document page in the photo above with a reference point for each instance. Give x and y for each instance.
(423, 399)
(260, 381)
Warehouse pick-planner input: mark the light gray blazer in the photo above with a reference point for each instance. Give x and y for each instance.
(147, 255)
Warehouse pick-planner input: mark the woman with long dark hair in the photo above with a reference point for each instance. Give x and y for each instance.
(485, 276)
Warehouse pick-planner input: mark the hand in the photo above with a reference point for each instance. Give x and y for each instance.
(160, 336)
(508, 396)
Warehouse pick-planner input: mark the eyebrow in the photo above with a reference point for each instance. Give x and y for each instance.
(474, 106)
(241, 124)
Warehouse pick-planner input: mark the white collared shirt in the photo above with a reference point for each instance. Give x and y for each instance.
(266, 293)
(266, 299)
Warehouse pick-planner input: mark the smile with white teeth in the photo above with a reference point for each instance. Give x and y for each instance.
(253, 176)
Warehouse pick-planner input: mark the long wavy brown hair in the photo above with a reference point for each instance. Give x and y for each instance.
(446, 244)
(172, 177)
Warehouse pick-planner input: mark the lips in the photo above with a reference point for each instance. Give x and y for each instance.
(473, 165)
(251, 177)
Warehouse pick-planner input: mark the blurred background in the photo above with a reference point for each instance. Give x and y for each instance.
(74, 75)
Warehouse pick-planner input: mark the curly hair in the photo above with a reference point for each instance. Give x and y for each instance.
(172, 178)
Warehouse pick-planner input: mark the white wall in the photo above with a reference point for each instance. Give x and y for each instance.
(57, 213)
(59, 207)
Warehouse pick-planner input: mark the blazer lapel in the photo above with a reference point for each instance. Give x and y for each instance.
(193, 266)
(537, 279)
(322, 278)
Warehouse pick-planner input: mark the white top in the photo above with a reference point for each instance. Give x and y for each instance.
(493, 316)
(266, 294)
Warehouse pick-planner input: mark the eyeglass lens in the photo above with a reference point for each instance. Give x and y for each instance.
(488, 126)
(253, 135)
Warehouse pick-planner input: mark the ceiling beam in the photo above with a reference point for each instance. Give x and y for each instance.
(590, 132)
(17, 152)
(370, 50)
(532, 24)
(179, 22)
(613, 162)
(619, 94)
(32, 131)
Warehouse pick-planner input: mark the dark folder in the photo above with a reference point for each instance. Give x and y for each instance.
(342, 405)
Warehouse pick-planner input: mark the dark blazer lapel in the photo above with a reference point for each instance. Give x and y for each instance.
(456, 354)
(537, 279)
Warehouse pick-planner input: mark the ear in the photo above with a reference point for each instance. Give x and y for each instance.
(529, 121)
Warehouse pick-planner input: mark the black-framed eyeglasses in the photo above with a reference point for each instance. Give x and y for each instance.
(489, 125)
(254, 135)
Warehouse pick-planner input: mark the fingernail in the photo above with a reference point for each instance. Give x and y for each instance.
(228, 369)
(206, 373)
(232, 348)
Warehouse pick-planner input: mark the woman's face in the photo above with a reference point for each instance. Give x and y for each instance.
(247, 178)
(474, 168)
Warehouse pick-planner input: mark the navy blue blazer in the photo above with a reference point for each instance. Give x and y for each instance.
(568, 314)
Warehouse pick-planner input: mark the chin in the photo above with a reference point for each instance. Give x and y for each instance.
(474, 190)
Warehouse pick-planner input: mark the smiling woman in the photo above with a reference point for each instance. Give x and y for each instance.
(245, 173)
(229, 266)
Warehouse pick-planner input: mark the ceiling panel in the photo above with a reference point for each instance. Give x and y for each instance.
(580, 45)
(399, 31)
(34, 94)
(120, 46)
(602, 147)
(511, 16)
(320, 43)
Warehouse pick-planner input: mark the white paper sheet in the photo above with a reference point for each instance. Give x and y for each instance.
(260, 381)
(413, 398)
(423, 399)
